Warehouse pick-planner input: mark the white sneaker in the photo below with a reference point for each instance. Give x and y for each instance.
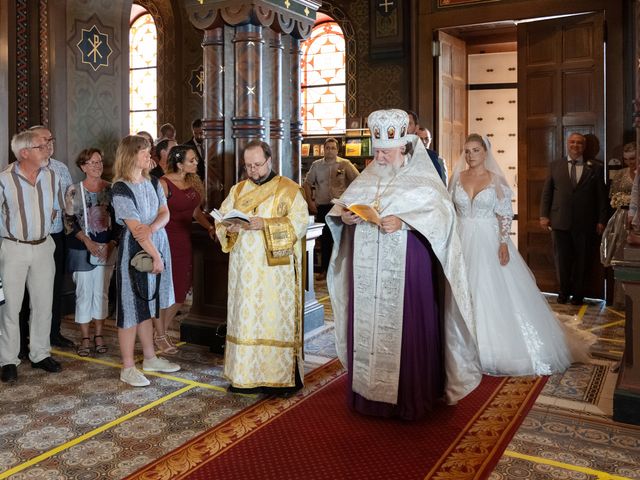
(133, 377)
(157, 364)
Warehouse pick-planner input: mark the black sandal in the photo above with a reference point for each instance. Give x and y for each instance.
(100, 348)
(83, 351)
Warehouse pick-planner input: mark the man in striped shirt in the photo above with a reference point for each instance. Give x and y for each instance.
(30, 200)
(59, 256)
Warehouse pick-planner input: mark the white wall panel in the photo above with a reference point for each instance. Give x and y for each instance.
(493, 68)
(494, 112)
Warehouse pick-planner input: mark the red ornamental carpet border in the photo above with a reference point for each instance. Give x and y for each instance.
(471, 454)
(210, 444)
(479, 446)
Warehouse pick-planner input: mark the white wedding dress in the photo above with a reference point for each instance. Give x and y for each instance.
(517, 332)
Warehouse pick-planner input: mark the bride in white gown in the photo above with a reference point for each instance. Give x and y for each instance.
(517, 332)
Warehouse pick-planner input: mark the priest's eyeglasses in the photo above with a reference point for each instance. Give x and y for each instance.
(254, 166)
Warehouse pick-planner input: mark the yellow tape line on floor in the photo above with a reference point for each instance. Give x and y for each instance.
(566, 466)
(606, 325)
(93, 433)
(582, 311)
(184, 381)
(616, 312)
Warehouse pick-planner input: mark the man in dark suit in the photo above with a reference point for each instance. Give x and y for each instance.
(574, 207)
(196, 142)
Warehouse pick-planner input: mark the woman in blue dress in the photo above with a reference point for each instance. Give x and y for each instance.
(140, 205)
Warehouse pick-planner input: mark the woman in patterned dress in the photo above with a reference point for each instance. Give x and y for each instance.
(140, 205)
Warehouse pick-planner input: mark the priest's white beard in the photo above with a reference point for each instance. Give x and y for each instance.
(384, 172)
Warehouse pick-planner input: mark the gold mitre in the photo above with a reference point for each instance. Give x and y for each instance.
(388, 128)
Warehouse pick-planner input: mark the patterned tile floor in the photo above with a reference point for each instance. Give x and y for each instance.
(569, 434)
(84, 423)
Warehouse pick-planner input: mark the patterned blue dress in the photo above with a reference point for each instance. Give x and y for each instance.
(140, 201)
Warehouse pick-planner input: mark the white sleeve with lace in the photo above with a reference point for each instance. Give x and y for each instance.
(504, 213)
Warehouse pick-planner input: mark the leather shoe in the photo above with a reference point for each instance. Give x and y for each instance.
(48, 365)
(24, 353)
(577, 301)
(246, 391)
(9, 373)
(562, 299)
(61, 342)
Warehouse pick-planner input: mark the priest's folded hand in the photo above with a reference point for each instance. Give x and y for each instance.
(255, 223)
(350, 218)
(390, 224)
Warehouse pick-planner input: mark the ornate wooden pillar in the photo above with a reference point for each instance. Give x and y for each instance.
(296, 113)
(276, 124)
(248, 122)
(213, 122)
(236, 83)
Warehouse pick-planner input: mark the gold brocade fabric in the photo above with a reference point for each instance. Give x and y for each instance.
(264, 306)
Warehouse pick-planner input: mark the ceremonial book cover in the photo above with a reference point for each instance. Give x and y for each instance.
(232, 217)
(366, 212)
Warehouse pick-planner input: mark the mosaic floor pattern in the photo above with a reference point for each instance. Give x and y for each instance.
(83, 423)
(569, 434)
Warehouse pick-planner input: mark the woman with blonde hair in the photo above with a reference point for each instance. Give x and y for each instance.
(140, 205)
(185, 193)
(516, 331)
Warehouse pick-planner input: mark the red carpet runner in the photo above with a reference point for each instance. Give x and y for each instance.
(313, 435)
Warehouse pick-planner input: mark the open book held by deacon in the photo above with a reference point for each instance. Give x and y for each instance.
(233, 217)
(366, 212)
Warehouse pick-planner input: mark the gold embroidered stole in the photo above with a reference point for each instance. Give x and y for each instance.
(279, 235)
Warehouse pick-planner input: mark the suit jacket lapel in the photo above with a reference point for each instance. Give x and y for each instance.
(564, 173)
(587, 171)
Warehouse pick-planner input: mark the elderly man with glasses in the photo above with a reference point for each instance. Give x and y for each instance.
(30, 202)
(59, 255)
(264, 318)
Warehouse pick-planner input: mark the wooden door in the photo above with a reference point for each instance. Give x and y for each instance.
(560, 91)
(452, 97)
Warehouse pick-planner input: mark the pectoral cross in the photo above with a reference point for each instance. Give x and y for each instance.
(386, 4)
(96, 43)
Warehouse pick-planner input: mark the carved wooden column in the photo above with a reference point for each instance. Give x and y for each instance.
(208, 303)
(276, 124)
(213, 122)
(296, 112)
(235, 85)
(248, 122)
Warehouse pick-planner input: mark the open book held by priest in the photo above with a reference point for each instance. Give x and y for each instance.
(367, 212)
(232, 217)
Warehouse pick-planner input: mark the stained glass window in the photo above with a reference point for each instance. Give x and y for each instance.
(323, 80)
(143, 83)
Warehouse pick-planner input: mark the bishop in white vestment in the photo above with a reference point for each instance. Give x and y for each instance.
(405, 345)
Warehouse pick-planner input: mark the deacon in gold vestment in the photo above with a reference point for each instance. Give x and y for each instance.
(264, 322)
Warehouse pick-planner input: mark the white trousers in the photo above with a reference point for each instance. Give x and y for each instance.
(33, 265)
(92, 293)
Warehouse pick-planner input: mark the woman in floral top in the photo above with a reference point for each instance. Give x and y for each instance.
(92, 237)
